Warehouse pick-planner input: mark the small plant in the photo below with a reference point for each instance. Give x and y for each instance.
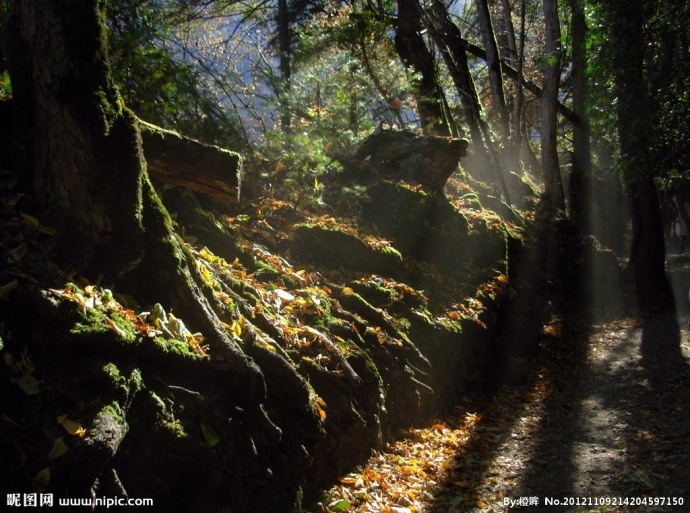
(300, 160)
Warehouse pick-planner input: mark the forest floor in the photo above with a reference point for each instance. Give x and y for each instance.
(601, 427)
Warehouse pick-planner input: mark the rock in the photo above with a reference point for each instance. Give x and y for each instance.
(332, 247)
(430, 228)
(404, 156)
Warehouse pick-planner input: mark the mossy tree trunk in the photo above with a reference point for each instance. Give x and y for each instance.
(80, 152)
(77, 147)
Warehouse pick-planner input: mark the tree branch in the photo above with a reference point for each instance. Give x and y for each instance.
(533, 88)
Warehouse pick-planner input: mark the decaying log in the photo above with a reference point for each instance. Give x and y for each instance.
(183, 162)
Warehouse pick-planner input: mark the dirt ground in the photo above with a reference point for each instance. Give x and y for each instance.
(605, 422)
(602, 427)
(610, 428)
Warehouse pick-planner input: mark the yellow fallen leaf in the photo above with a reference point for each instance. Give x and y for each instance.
(237, 327)
(30, 220)
(59, 449)
(208, 256)
(36, 225)
(71, 426)
(347, 291)
(47, 230)
(481, 504)
(207, 275)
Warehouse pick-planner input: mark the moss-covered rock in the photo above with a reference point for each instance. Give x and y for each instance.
(332, 247)
(430, 228)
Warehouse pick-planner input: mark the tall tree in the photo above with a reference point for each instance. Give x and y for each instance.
(415, 55)
(81, 150)
(549, 104)
(449, 39)
(634, 111)
(519, 90)
(493, 62)
(510, 40)
(284, 53)
(582, 161)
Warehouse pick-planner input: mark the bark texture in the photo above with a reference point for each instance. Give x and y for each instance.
(183, 162)
(77, 146)
(415, 56)
(549, 102)
(493, 61)
(582, 161)
(647, 252)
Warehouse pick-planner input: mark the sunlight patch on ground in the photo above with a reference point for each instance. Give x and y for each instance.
(402, 478)
(435, 468)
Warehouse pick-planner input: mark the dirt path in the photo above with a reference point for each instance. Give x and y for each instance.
(615, 428)
(605, 419)
(604, 426)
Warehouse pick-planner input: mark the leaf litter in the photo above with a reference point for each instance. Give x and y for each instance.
(509, 448)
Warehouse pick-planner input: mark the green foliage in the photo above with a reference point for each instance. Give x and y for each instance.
(300, 159)
(5, 86)
(160, 87)
(345, 61)
(662, 119)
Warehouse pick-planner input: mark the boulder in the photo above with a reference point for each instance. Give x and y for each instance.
(425, 160)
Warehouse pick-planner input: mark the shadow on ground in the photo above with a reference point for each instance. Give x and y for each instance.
(605, 417)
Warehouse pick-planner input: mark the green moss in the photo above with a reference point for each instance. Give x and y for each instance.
(174, 428)
(374, 293)
(371, 366)
(114, 411)
(92, 322)
(114, 377)
(125, 325)
(176, 347)
(471, 201)
(297, 505)
(390, 250)
(265, 272)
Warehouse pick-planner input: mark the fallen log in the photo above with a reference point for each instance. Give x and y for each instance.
(177, 160)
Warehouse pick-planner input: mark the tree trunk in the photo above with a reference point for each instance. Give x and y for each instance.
(519, 90)
(493, 61)
(582, 161)
(74, 140)
(512, 48)
(549, 102)
(634, 110)
(414, 54)
(449, 39)
(284, 51)
(512, 73)
(82, 151)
